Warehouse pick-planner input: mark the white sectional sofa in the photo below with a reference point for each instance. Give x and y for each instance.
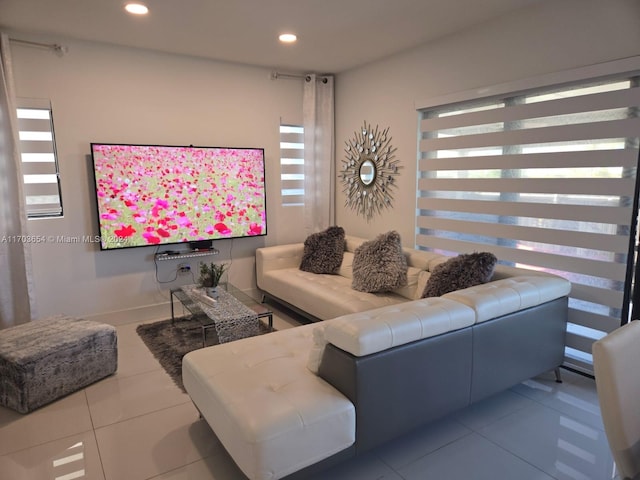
(324, 296)
(286, 403)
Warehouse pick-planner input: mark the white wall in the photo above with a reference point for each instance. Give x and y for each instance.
(101, 93)
(550, 37)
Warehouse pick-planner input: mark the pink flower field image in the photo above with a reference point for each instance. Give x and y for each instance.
(150, 195)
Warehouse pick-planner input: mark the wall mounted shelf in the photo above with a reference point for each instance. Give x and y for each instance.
(181, 255)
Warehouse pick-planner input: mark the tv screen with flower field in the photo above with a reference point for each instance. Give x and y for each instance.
(155, 195)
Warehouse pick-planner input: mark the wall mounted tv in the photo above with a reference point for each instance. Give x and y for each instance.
(160, 194)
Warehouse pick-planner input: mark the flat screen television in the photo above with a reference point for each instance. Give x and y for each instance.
(160, 194)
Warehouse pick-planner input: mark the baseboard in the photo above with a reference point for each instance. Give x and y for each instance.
(147, 313)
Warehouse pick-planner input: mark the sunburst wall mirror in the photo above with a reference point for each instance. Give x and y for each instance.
(368, 171)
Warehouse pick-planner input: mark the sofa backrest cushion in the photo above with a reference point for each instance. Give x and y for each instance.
(346, 268)
(409, 290)
(502, 297)
(382, 328)
(351, 243)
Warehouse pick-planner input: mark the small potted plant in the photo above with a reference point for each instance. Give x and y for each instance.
(210, 274)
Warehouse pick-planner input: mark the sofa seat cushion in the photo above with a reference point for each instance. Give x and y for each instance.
(323, 296)
(372, 331)
(502, 297)
(270, 412)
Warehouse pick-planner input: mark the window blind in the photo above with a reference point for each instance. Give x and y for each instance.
(39, 159)
(545, 180)
(292, 165)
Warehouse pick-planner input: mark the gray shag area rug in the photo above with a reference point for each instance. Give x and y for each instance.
(170, 341)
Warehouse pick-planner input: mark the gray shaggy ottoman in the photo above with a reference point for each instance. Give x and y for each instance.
(44, 360)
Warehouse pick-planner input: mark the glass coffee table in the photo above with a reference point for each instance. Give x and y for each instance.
(233, 315)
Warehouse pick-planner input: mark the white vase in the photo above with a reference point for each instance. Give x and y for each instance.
(212, 292)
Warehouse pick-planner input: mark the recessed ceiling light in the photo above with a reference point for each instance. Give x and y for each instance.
(287, 38)
(136, 8)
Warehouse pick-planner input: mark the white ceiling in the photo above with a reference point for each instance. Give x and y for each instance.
(333, 35)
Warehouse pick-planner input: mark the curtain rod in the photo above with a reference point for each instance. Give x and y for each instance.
(307, 77)
(277, 75)
(53, 46)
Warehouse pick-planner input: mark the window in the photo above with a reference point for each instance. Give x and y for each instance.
(39, 159)
(545, 180)
(292, 165)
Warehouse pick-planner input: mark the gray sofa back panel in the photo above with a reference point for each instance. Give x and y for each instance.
(518, 346)
(397, 390)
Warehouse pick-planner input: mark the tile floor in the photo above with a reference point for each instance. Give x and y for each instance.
(138, 425)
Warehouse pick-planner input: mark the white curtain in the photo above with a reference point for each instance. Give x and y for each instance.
(319, 148)
(16, 282)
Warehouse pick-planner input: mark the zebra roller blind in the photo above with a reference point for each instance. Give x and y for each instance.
(39, 158)
(292, 165)
(545, 180)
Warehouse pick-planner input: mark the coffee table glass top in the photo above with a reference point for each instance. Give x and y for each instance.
(261, 309)
(233, 315)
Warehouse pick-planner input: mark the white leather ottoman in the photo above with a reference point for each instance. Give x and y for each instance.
(272, 414)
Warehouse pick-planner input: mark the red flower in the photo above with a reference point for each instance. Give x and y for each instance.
(125, 232)
(255, 229)
(150, 238)
(222, 229)
(163, 233)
